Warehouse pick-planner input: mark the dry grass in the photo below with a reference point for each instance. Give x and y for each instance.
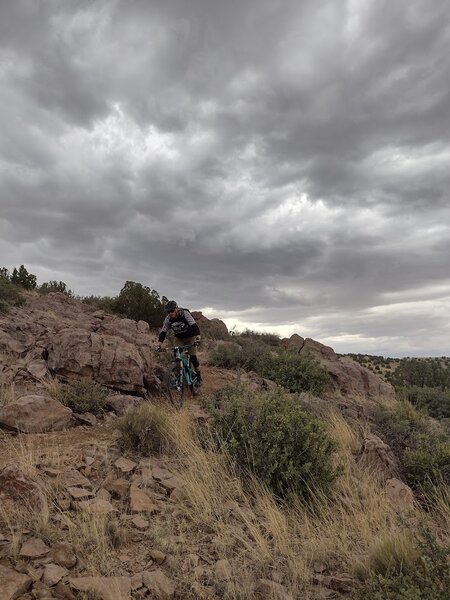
(258, 535)
(220, 517)
(7, 393)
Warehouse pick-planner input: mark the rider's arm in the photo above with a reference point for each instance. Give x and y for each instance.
(165, 328)
(191, 321)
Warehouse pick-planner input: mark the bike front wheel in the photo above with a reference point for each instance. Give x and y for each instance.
(175, 384)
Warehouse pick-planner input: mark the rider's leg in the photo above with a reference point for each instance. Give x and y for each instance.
(192, 353)
(196, 365)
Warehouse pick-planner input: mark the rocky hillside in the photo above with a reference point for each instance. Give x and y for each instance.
(84, 515)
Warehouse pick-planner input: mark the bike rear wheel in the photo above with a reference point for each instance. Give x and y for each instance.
(175, 384)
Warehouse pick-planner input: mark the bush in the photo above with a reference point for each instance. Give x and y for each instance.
(144, 429)
(81, 396)
(422, 448)
(22, 278)
(105, 303)
(293, 371)
(426, 577)
(138, 302)
(434, 400)
(9, 295)
(271, 436)
(54, 286)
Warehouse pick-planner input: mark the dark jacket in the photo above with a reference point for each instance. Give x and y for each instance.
(182, 324)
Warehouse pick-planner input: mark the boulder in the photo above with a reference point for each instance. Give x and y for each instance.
(35, 414)
(378, 456)
(107, 588)
(400, 495)
(13, 584)
(18, 487)
(158, 584)
(347, 377)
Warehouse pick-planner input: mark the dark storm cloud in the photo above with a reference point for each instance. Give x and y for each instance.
(281, 164)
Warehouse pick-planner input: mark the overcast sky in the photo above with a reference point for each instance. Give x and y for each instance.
(283, 165)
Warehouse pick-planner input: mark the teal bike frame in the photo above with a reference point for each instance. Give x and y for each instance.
(180, 375)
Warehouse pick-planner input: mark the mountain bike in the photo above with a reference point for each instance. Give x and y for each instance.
(180, 375)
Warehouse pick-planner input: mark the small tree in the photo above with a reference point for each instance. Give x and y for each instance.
(55, 286)
(23, 278)
(139, 302)
(4, 273)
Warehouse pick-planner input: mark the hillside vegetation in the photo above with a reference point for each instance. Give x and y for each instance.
(267, 486)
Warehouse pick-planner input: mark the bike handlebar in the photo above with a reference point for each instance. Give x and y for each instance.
(186, 347)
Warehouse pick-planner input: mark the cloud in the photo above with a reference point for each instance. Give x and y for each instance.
(283, 165)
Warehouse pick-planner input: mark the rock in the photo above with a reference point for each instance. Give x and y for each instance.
(120, 403)
(97, 506)
(80, 493)
(158, 584)
(63, 591)
(63, 555)
(341, 583)
(347, 377)
(53, 574)
(118, 487)
(108, 588)
(18, 487)
(35, 414)
(377, 455)
(140, 501)
(103, 494)
(86, 418)
(37, 369)
(34, 548)
(400, 495)
(222, 569)
(267, 588)
(157, 556)
(73, 478)
(13, 584)
(161, 474)
(125, 466)
(140, 523)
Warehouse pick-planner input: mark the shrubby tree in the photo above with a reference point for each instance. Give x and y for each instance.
(23, 278)
(55, 286)
(4, 273)
(139, 302)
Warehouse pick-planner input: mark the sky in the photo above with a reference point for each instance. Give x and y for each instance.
(283, 165)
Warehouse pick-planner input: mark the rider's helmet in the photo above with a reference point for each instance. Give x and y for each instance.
(170, 306)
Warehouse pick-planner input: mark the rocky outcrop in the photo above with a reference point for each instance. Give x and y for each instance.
(347, 377)
(378, 457)
(35, 414)
(211, 328)
(61, 335)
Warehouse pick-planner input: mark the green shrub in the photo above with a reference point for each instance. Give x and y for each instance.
(81, 396)
(138, 302)
(9, 295)
(271, 436)
(434, 400)
(422, 446)
(105, 303)
(145, 429)
(54, 286)
(426, 577)
(293, 371)
(23, 278)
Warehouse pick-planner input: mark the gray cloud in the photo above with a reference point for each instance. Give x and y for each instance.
(283, 165)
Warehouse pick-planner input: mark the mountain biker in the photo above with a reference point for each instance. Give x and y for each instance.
(185, 329)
